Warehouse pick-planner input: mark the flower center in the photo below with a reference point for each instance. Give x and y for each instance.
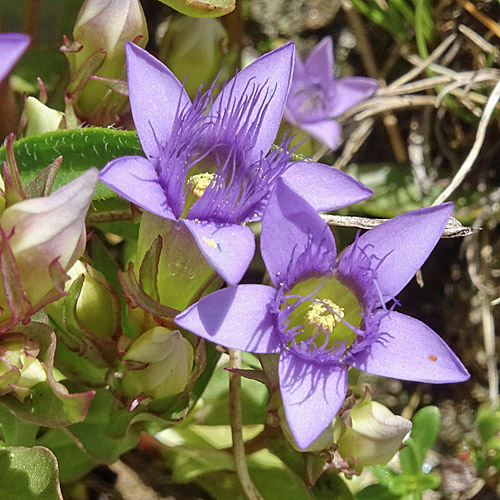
(323, 314)
(311, 101)
(319, 315)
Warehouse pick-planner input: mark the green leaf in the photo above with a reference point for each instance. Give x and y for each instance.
(388, 16)
(383, 473)
(189, 462)
(102, 437)
(394, 189)
(488, 422)
(74, 463)
(215, 409)
(16, 432)
(273, 479)
(425, 430)
(29, 474)
(81, 149)
(332, 487)
(375, 492)
(428, 481)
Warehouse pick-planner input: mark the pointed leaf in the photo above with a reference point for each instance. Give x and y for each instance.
(81, 149)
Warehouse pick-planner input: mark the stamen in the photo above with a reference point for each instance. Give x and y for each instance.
(198, 183)
(319, 315)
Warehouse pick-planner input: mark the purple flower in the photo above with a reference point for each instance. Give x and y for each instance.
(208, 163)
(323, 315)
(12, 47)
(316, 97)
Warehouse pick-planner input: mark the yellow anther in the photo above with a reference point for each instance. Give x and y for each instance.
(198, 183)
(321, 316)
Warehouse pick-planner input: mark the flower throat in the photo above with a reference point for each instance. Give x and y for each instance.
(320, 311)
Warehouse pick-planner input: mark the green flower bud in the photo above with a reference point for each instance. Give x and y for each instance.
(376, 434)
(40, 117)
(196, 49)
(168, 361)
(105, 25)
(202, 8)
(20, 370)
(95, 306)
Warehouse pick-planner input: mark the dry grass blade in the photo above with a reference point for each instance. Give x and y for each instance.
(471, 157)
(454, 228)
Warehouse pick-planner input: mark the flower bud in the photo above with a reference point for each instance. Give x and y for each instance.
(96, 307)
(41, 238)
(202, 8)
(105, 25)
(168, 357)
(20, 370)
(40, 117)
(376, 434)
(195, 49)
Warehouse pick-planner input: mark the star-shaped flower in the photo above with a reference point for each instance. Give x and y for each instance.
(12, 47)
(316, 97)
(208, 163)
(323, 315)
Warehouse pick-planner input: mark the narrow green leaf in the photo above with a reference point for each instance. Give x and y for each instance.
(425, 430)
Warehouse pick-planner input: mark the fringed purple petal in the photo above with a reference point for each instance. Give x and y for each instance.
(156, 96)
(351, 91)
(324, 187)
(409, 350)
(319, 63)
(264, 85)
(135, 179)
(295, 240)
(312, 394)
(396, 250)
(235, 317)
(228, 248)
(12, 47)
(326, 132)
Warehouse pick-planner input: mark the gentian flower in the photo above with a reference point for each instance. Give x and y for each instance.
(12, 47)
(324, 315)
(208, 164)
(316, 97)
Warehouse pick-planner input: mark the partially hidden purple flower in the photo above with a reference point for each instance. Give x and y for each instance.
(12, 47)
(316, 97)
(323, 315)
(208, 163)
